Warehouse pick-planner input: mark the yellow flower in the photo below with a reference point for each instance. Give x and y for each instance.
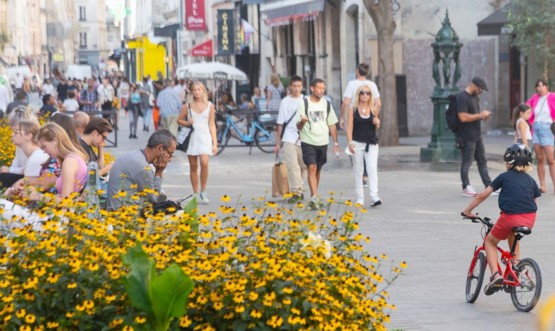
(20, 313)
(140, 320)
(185, 321)
(30, 319)
(225, 198)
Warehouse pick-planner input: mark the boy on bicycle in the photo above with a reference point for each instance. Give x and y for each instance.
(517, 202)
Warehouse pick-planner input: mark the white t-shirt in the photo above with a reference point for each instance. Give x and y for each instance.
(19, 161)
(316, 131)
(353, 86)
(34, 163)
(71, 105)
(287, 108)
(542, 112)
(48, 89)
(4, 97)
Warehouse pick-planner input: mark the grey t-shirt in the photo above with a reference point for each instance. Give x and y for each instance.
(132, 168)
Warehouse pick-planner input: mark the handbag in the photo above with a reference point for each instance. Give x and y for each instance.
(184, 135)
(280, 183)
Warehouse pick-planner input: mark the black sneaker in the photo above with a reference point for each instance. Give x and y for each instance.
(376, 203)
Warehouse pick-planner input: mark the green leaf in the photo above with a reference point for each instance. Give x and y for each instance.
(168, 293)
(239, 325)
(139, 278)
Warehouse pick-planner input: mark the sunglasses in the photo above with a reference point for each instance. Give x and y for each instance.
(365, 93)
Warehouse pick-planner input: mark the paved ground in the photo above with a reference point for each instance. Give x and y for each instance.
(418, 223)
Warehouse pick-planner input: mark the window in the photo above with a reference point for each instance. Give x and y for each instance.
(82, 13)
(82, 40)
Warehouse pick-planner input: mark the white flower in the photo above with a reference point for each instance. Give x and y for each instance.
(315, 242)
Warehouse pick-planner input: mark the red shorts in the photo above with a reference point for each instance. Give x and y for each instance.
(506, 222)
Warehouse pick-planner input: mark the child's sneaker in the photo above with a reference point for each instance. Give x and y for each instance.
(469, 191)
(203, 198)
(495, 284)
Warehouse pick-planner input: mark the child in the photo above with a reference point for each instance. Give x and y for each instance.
(521, 115)
(70, 104)
(517, 202)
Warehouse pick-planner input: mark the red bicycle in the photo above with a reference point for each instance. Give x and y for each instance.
(523, 279)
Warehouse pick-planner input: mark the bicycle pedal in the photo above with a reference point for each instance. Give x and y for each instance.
(507, 289)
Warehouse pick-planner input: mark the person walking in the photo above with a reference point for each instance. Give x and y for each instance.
(200, 114)
(316, 121)
(134, 109)
(106, 95)
(363, 143)
(146, 104)
(273, 95)
(543, 114)
(361, 72)
(468, 110)
(169, 103)
(89, 97)
(287, 139)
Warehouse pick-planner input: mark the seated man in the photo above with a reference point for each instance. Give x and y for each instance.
(131, 173)
(95, 134)
(80, 120)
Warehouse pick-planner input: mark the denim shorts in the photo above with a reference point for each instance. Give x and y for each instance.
(542, 134)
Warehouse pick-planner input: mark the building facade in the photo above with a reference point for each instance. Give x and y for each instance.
(92, 36)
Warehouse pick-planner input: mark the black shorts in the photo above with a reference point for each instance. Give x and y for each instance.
(314, 154)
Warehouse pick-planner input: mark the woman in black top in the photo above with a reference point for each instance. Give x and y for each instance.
(363, 143)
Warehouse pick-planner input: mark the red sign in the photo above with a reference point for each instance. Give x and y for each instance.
(194, 15)
(204, 49)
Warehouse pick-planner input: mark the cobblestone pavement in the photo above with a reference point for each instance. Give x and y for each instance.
(418, 222)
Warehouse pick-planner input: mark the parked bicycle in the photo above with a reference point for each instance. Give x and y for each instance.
(521, 278)
(246, 127)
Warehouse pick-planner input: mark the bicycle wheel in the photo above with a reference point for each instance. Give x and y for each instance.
(266, 140)
(526, 295)
(475, 278)
(222, 140)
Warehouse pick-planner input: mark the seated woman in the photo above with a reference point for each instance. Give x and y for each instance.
(9, 175)
(23, 137)
(53, 140)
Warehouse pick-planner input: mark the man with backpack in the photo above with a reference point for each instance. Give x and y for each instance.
(469, 134)
(316, 121)
(288, 138)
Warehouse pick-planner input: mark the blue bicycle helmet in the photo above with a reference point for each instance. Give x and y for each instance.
(518, 155)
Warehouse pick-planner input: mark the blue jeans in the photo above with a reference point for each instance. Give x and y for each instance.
(474, 150)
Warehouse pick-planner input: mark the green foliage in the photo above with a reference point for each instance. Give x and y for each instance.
(162, 297)
(531, 23)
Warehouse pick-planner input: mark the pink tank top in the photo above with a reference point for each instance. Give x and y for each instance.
(80, 177)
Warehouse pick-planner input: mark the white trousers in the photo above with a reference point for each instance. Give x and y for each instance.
(11, 210)
(371, 158)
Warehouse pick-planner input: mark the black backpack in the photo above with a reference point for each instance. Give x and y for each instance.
(451, 114)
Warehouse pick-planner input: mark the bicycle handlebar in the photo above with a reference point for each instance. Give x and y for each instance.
(485, 221)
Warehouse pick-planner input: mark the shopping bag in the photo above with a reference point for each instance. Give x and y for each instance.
(183, 137)
(280, 184)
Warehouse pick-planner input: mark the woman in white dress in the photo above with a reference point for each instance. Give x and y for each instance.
(200, 114)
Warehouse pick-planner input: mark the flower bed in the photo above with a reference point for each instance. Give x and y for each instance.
(266, 267)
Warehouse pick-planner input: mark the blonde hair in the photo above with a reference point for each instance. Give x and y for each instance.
(21, 113)
(53, 132)
(275, 80)
(29, 127)
(204, 97)
(519, 168)
(357, 94)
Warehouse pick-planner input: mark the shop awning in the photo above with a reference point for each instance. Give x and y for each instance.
(494, 23)
(204, 49)
(283, 12)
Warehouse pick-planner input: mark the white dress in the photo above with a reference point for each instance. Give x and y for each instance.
(201, 140)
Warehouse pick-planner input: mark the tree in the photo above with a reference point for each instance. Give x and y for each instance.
(531, 23)
(381, 13)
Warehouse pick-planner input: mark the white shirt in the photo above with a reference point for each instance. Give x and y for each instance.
(353, 86)
(105, 93)
(34, 163)
(287, 109)
(48, 89)
(19, 161)
(542, 112)
(18, 82)
(70, 105)
(4, 98)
